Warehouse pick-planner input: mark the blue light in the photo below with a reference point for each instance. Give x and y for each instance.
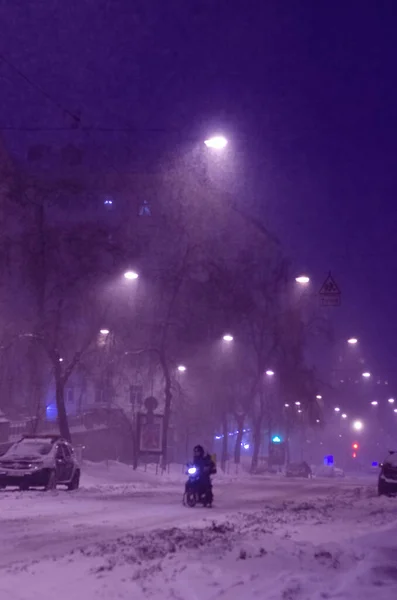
(328, 460)
(276, 439)
(374, 464)
(218, 437)
(51, 412)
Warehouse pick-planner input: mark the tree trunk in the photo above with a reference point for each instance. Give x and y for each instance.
(239, 439)
(257, 438)
(135, 442)
(225, 440)
(36, 384)
(63, 423)
(167, 411)
(287, 452)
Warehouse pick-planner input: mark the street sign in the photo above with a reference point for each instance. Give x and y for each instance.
(329, 292)
(150, 433)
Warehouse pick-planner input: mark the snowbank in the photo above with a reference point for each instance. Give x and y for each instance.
(145, 477)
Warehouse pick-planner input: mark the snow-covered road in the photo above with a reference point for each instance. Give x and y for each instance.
(265, 538)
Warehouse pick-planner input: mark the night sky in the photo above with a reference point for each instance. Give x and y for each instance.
(306, 91)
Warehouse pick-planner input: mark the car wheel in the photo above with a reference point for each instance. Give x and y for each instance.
(74, 484)
(382, 491)
(51, 482)
(191, 499)
(24, 487)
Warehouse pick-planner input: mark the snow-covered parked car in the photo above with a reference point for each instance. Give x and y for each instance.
(387, 482)
(39, 461)
(328, 471)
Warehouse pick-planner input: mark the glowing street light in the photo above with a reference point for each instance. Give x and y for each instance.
(374, 403)
(227, 337)
(130, 275)
(358, 425)
(218, 142)
(302, 279)
(352, 341)
(319, 397)
(337, 409)
(181, 368)
(270, 373)
(104, 331)
(366, 374)
(344, 416)
(395, 410)
(391, 400)
(297, 403)
(286, 405)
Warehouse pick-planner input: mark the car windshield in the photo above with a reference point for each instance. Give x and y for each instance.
(29, 447)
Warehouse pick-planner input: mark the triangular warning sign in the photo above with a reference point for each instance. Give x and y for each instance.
(329, 292)
(329, 287)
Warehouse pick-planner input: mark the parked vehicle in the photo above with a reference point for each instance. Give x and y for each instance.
(387, 482)
(301, 469)
(39, 461)
(328, 471)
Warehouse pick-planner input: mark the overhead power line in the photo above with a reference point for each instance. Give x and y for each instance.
(38, 88)
(90, 128)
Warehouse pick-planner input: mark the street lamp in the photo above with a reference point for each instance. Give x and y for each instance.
(352, 341)
(302, 279)
(358, 425)
(227, 337)
(181, 368)
(286, 405)
(374, 403)
(104, 331)
(297, 403)
(217, 142)
(395, 410)
(391, 400)
(319, 397)
(270, 373)
(337, 409)
(130, 275)
(366, 374)
(344, 416)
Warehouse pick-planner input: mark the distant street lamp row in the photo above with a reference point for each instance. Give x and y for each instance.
(219, 142)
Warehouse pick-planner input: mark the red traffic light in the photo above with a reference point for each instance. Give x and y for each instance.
(355, 446)
(354, 455)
